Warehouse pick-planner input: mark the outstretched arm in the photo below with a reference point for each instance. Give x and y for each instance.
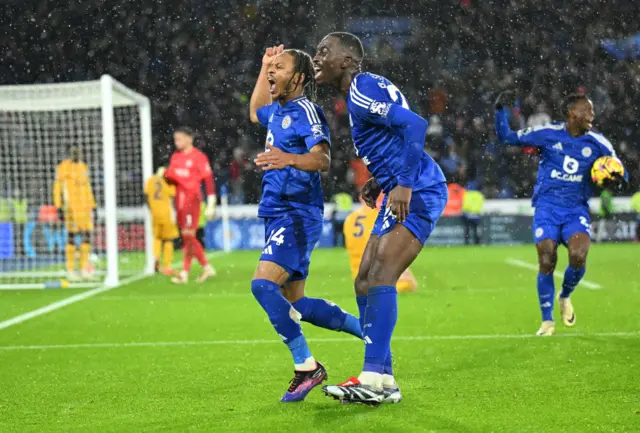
(261, 96)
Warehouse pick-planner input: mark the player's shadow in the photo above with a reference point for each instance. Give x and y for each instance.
(333, 416)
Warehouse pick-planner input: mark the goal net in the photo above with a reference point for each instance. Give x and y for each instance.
(74, 160)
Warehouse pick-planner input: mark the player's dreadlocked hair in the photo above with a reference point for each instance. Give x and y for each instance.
(303, 65)
(571, 100)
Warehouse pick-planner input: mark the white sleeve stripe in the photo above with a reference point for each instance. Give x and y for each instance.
(358, 103)
(306, 110)
(312, 109)
(537, 128)
(602, 140)
(360, 95)
(355, 98)
(309, 110)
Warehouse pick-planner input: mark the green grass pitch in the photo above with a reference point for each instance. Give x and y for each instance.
(153, 357)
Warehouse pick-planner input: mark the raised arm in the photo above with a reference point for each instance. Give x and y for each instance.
(503, 131)
(261, 96)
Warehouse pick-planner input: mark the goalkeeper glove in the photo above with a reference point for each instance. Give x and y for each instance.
(210, 211)
(504, 98)
(617, 183)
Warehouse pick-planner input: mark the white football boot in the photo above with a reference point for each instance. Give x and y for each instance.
(181, 278)
(208, 272)
(391, 389)
(567, 311)
(547, 329)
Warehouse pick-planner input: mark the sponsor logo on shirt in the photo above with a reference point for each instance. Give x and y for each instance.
(316, 130)
(182, 172)
(557, 146)
(570, 165)
(380, 108)
(555, 174)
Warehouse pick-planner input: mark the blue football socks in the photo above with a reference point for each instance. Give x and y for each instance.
(381, 318)
(572, 277)
(546, 290)
(362, 308)
(388, 364)
(281, 315)
(326, 314)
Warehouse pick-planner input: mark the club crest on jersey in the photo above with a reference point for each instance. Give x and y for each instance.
(586, 152)
(380, 108)
(539, 232)
(286, 122)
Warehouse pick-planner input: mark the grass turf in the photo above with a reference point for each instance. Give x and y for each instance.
(154, 357)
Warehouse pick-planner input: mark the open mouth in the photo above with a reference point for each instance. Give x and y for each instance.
(317, 69)
(272, 85)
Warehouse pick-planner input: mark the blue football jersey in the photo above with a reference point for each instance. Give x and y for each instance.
(564, 172)
(378, 140)
(294, 127)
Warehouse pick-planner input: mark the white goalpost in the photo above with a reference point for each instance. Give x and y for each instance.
(74, 160)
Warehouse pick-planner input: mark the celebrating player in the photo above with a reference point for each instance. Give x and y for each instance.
(292, 208)
(560, 198)
(188, 168)
(73, 197)
(357, 230)
(389, 138)
(159, 195)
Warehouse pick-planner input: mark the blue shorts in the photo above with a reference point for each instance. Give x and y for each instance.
(424, 211)
(559, 224)
(289, 241)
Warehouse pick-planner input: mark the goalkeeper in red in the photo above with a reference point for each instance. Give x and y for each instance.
(560, 198)
(188, 168)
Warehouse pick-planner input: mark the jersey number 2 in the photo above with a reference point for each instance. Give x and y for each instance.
(157, 195)
(396, 94)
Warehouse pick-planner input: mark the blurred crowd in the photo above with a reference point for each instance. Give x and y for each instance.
(197, 60)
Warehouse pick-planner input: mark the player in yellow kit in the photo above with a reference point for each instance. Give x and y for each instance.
(73, 197)
(357, 229)
(159, 195)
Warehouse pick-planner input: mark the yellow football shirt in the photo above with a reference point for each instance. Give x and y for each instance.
(357, 230)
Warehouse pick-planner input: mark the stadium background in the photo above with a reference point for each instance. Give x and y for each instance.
(197, 61)
(148, 356)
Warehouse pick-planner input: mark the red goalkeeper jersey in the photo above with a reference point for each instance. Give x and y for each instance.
(187, 170)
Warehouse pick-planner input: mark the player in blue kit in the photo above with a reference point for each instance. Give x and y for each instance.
(389, 138)
(560, 197)
(292, 206)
